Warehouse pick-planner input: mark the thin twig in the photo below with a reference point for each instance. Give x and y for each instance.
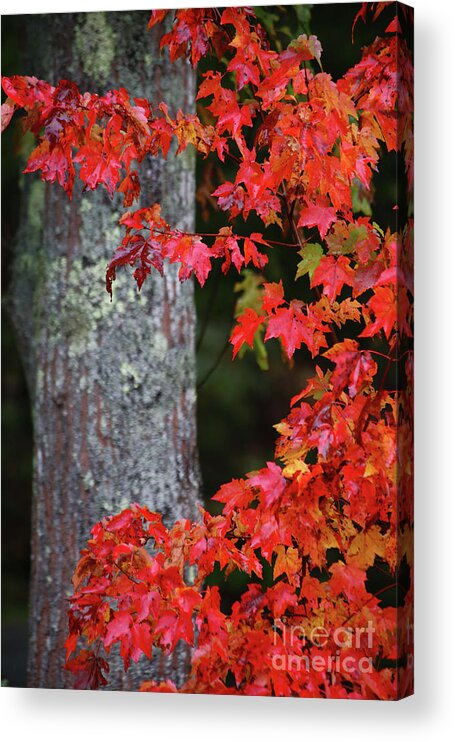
(214, 367)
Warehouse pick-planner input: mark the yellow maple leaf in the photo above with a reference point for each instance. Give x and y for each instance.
(365, 546)
(287, 561)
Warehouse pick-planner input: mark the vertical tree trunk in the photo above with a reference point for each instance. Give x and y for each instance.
(112, 385)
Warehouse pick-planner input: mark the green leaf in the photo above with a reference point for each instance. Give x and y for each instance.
(338, 245)
(259, 350)
(250, 288)
(303, 13)
(311, 254)
(360, 203)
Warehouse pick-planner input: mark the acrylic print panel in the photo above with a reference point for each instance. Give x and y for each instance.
(246, 174)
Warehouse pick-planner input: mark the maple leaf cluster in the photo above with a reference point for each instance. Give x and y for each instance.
(333, 511)
(132, 583)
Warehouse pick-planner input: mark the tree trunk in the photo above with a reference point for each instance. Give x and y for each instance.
(112, 385)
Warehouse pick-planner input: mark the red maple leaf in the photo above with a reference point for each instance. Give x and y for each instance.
(88, 670)
(318, 216)
(273, 296)
(193, 255)
(245, 330)
(384, 305)
(99, 164)
(294, 327)
(271, 482)
(353, 369)
(333, 273)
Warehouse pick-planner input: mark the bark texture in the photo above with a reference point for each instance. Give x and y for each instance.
(112, 385)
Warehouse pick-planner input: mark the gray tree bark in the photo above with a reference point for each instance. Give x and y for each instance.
(112, 385)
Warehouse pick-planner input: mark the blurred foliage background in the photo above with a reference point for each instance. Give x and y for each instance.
(238, 403)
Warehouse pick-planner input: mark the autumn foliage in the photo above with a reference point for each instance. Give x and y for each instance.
(324, 530)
